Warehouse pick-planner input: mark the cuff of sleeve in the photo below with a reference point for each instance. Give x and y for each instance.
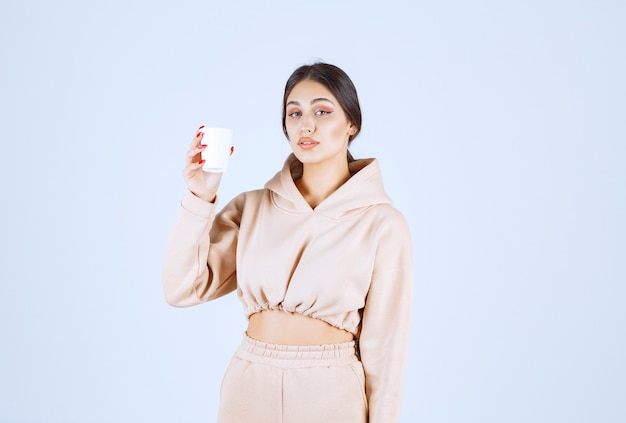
(197, 206)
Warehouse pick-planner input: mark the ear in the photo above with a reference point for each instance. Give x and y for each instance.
(351, 129)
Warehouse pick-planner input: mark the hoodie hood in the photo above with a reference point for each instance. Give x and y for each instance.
(362, 190)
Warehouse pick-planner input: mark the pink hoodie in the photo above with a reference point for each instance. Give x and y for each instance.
(346, 262)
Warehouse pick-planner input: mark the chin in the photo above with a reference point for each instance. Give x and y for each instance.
(304, 159)
(316, 156)
(310, 157)
(303, 156)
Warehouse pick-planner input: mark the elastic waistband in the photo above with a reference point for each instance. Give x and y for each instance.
(290, 356)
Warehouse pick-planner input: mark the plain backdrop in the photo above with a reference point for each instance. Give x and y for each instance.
(499, 127)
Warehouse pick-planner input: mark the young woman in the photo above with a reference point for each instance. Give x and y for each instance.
(320, 260)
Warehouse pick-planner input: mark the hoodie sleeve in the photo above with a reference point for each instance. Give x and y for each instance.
(200, 255)
(385, 329)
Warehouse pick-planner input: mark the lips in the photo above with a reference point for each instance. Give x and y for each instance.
(307, 143)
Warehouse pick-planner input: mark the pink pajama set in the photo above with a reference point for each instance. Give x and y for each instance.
(347, 262)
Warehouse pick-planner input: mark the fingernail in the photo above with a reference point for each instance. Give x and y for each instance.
(201, 161)
(200, 127)
(198, 134)
(202, 146)
(232, 150)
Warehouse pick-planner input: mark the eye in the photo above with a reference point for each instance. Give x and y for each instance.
(294, 113)
(322, 112)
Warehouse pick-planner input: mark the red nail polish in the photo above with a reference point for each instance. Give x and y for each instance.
(200, 127)
(202, 146)
(232, 150)
(198, 134)
(201, 162)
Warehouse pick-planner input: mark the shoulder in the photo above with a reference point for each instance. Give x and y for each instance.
(389, 219)
(253, 197)
(393, 234)
(247, 200)
(248, 196)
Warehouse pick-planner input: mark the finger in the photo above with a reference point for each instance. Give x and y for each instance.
(191, 169)
(196, 139)
(194, 154)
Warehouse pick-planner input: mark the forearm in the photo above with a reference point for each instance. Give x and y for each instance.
(185, 263)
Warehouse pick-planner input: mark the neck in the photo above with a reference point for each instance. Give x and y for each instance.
(320, 180)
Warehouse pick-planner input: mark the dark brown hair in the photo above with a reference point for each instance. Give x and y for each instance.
(337, 82)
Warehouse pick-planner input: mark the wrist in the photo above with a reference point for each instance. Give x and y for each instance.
(209, 198)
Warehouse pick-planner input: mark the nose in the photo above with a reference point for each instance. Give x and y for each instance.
(306, 125)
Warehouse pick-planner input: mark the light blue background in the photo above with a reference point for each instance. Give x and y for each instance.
(500, 131)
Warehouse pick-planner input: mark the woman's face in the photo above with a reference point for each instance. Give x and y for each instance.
(317, 127)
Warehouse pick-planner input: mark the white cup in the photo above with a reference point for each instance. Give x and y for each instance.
(217, 152)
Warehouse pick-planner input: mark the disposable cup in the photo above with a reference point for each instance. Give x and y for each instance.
(218, 143)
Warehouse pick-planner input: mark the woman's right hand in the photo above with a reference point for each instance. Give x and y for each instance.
(202, 184)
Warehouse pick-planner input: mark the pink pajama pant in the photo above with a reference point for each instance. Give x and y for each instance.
(269, 383)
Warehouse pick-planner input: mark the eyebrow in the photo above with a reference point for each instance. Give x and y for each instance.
(315, 100)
